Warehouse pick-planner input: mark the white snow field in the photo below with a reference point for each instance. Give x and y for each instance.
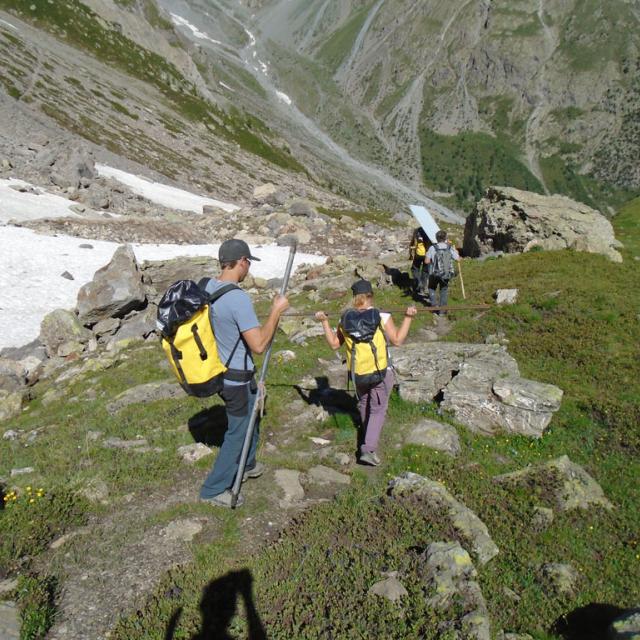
(31, 264)
(162, 194)
(18, 205)
(31, 268)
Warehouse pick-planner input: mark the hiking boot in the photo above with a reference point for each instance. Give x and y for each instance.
(370, 458)
(223, 500)
(255, 472)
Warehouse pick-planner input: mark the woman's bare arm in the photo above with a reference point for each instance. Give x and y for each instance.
(333, 339)
(396, 335)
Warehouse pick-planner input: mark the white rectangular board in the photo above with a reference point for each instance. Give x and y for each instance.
(425, 220)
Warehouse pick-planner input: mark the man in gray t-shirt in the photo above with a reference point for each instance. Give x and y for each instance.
(238, 335)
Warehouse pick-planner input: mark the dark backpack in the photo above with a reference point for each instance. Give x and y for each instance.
(366, 345)
(442, 265)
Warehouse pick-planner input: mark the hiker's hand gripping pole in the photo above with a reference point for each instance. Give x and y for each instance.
(237, 483)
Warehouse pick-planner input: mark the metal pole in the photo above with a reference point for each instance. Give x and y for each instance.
(237, 483)
(466, 307)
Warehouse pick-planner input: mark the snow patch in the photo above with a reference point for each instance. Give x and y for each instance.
(163, 194)
(284, 97)
(182, 22)
(20, 206)
(252, 38)
(8, 24)
(31, 268)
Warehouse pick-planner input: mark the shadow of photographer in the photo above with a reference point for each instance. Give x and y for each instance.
(218, 607)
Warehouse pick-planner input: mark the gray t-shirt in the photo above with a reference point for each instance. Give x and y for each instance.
(231, 315)
(431, 252)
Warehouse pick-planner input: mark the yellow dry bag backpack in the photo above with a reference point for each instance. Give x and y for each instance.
(188, 339)
(364, 338)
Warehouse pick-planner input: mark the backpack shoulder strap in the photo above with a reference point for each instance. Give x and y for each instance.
(203, 282)
(221, 291)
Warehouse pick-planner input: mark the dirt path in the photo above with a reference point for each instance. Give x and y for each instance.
(109, 567)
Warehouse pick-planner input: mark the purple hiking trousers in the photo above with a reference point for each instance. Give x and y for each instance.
(372, 406)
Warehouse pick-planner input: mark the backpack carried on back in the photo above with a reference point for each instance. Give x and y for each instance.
(188, 339)
(367, 356)
(442, 265)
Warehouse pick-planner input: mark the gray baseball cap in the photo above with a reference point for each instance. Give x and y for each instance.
(234, 249)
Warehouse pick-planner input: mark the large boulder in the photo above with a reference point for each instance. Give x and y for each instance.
(269, 194)
(69, 167)
(514, 221)
(60, 330)
(435, 435)
(161, 274)
(116, 289)
(144, 393)
(10, 404)
(479, 384)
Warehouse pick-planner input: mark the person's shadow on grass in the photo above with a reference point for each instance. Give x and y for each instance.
(218, 607)
(209, 425)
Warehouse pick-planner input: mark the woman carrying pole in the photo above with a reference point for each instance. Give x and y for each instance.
(364, 330)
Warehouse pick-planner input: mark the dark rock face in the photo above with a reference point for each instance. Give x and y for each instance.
(116, 289)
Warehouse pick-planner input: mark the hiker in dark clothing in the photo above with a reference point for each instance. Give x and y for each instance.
(238, 335)
(373, 396)
(439, 260)
(417, 255)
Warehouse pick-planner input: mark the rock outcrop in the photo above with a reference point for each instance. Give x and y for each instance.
(567, 483)
(116, 289)
(515, 221)
(452, 579)
(626, 626)
(479, 384)
(61, 333)
(463, 520)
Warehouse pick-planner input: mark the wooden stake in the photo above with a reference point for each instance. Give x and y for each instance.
(464, 295)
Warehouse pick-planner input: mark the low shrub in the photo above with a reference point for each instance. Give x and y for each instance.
(31, 519)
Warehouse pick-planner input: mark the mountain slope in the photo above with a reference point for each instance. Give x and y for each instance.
(195, 105)
(550, 88)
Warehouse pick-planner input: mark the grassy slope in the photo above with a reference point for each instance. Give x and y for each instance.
(575, 331)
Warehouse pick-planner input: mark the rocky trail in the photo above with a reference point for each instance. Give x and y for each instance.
(111, 565)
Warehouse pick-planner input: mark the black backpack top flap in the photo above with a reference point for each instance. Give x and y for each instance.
(361, 325)
(180, 301)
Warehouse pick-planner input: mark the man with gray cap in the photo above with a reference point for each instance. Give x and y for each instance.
(238, 335)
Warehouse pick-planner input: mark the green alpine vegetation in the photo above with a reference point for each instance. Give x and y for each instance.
(466, 164)
(580, 333)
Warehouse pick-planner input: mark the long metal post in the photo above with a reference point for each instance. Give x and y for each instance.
(467, 307)
(237, 483)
